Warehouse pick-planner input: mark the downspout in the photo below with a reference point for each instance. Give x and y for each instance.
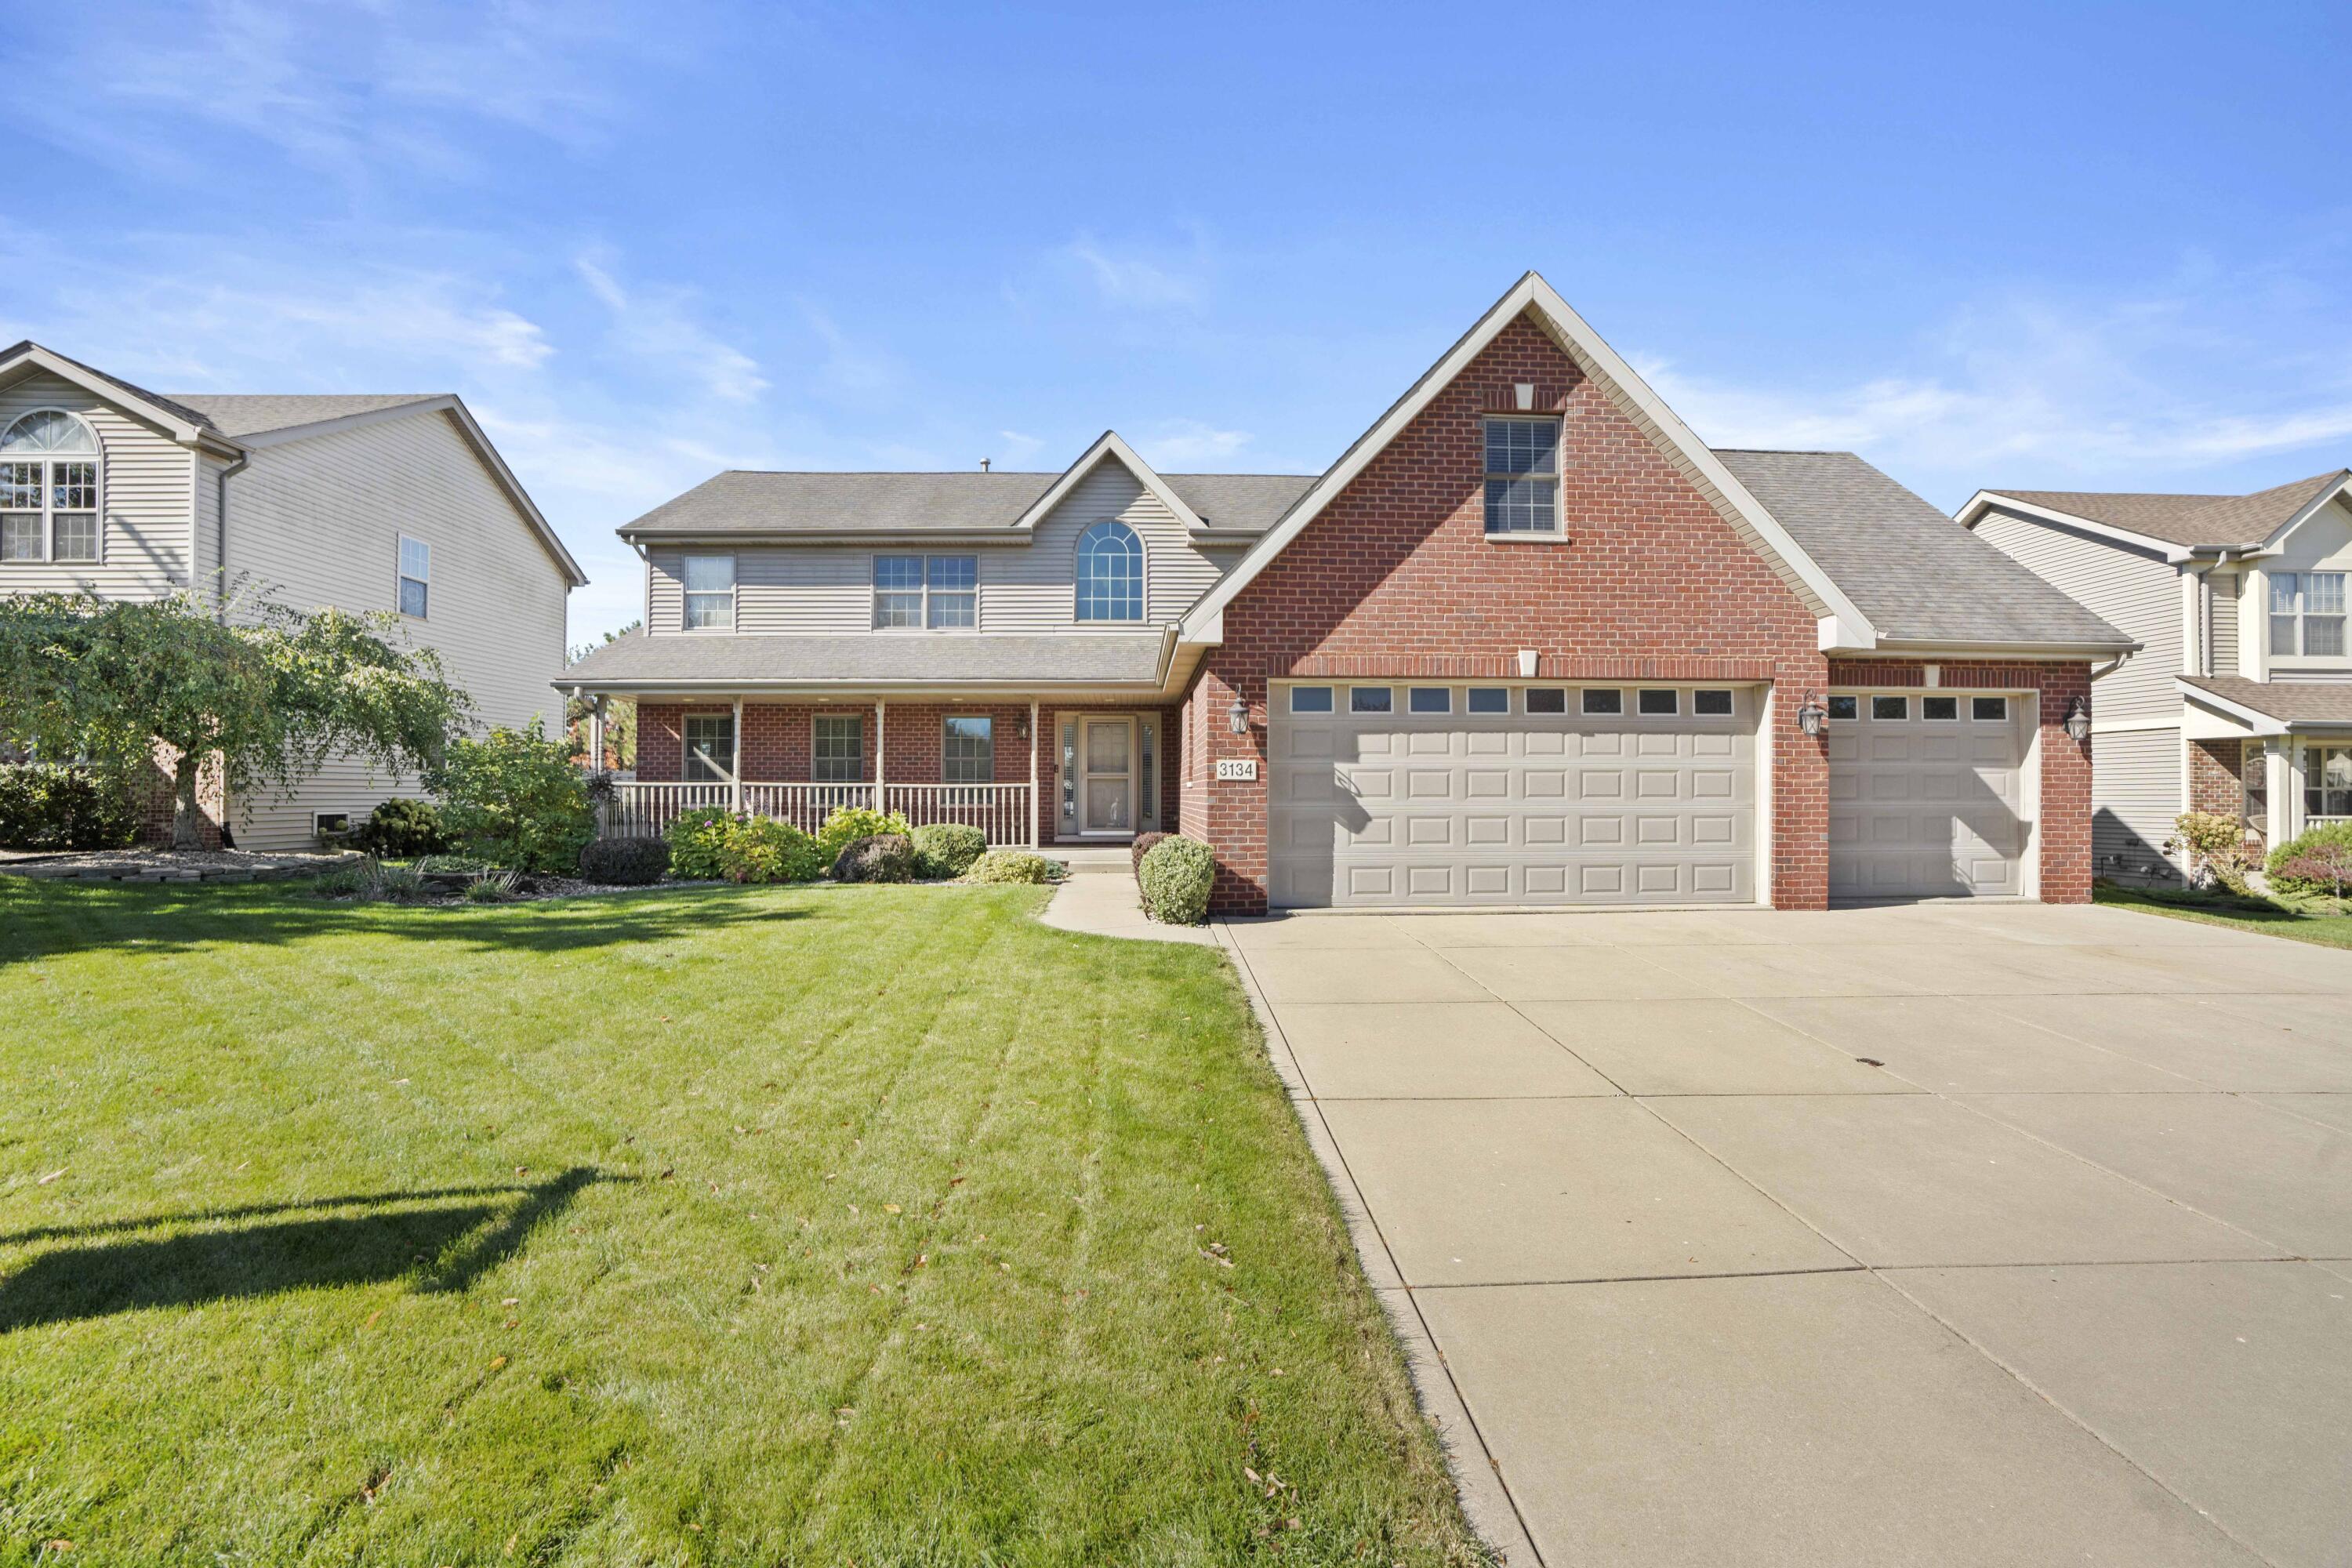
(220, 533)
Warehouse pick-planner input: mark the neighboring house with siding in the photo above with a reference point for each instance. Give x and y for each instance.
(1527, 641)
(2240, 702)
(395, 502)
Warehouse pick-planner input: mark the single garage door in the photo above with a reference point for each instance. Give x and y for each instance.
(1927, 794)
(1400, 794)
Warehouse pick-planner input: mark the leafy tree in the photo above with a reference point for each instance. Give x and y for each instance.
(620, 713)
(517, 798)
(271, 693)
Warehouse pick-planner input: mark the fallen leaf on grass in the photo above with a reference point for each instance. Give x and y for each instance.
(512, 1301)
(372, 1317)
(517, 1322)
(497, 1362)
(889, 1208)
(52, 1176)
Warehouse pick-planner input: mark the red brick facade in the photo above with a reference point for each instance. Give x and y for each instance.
(2063, 826)
(2215, 778)
(1398, 577)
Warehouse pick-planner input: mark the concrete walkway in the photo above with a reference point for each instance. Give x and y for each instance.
(1099, 897)
(1933, 1235)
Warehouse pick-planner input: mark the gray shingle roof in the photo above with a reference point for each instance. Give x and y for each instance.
(1091, 658)
(255, 414)
(2187, 519)
(2288, 701)
(1917, 573)
(750, 502)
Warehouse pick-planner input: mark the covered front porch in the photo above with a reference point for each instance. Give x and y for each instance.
(1028, 775)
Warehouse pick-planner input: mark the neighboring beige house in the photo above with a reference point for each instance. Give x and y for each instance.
(380, 502)
(2242, 701)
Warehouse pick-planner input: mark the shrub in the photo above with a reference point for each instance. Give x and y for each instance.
(53, 807)
(402, 830)
(851, 822)
(625, 862)
(947, 848)
(766, 851)
(1142, 846)
(877, 858)
(371, 880)
(515, 798)
(452, 866)
(2217, 850)
(2307, 864)
(1009, 865)
(493, 888)
(697, 840)
(1177, 875)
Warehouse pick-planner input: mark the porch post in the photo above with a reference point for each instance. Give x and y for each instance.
(881, 751)
(1036, 816)
(596, 736)
(735, 764)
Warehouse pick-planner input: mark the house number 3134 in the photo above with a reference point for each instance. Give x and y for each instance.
(1237, 768)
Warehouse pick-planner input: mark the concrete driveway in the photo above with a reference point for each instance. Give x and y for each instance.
(1939, 1234)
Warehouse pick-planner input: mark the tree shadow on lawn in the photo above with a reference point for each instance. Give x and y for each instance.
(446, 1247)
(50, 920)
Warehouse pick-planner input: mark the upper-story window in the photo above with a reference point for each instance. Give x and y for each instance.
(48, 489)
(415, 576)
(912, 591)
(1522, 475)
(2307, 613)
(1110, 573)
(709, 584)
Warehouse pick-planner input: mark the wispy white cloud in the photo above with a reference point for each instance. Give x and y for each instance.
(659, 326)
(1180, 443)
(1136, 275)
(1019, 449)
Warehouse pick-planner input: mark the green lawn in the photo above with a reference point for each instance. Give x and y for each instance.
(871, 1225)
(2307, 921)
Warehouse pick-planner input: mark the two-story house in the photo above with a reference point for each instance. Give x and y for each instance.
(1528, 641)
(395, 502)
(2241, 703)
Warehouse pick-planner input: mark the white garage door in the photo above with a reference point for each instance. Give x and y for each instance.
(1512, 795)
(1927, 794)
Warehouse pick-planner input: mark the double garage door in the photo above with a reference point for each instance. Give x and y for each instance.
(1401, 795)
(1927, 793)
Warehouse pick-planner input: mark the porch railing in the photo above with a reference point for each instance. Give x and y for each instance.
(1002, 811)
(999, 810)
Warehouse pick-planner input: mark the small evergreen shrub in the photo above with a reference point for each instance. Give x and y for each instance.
(877, 858)
(947, 848)
(766, 851)
(1009, 865)
(625, 862)
(2304, 864)
(1178, 873)
(2217, 850)
(850, 822)
(50, 807)
(696, 841)
(402, 830)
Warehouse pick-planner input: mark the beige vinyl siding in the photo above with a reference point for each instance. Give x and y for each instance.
(204, 482)
(1031, 587)
(321, 520)
(2226, 587)
(2132, 589)
(145, 500)
(2135, 784)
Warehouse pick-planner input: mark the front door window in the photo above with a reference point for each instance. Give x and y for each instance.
(1109, 775)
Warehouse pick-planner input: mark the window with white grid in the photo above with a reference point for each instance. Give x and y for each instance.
(1110, 573)
(709, 584)
(839, 748)
(415, 577)
(1522, 475)
(968, 749)
(2308, 615)
(912, 591)
(49, 489)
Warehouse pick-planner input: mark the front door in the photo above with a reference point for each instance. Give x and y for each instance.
(1107, 777)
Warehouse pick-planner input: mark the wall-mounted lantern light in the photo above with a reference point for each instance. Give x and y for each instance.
(1237, 716)
(2078, 721)
(1810, 714)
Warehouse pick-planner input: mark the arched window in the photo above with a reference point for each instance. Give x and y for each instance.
(48, 489)
(1111, 573)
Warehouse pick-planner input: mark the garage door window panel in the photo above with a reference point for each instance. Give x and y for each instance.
(1658, 702)
(1310, 699)
(1430, 700)
(1895, 707)
(1990, 710)
(1941, 710)
(1369, 699)
(1602, 701)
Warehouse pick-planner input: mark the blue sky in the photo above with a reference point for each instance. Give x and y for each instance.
(2088, 247)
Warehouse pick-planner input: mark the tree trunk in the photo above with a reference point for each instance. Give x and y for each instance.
(185, 832)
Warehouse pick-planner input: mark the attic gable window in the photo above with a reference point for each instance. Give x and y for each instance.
(1110, 573)
(48, 489)
(1522, 476)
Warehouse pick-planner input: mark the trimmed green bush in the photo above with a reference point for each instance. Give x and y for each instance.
(1009, 865)
(50, 807)
(2300, 865)
(402, 830)
(763, 849)
(1178, 873)
(1139, 848)
(697, 840)
(877, 858)
(851, 822)
(625, 862)
(947, 848)
(518, 798)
